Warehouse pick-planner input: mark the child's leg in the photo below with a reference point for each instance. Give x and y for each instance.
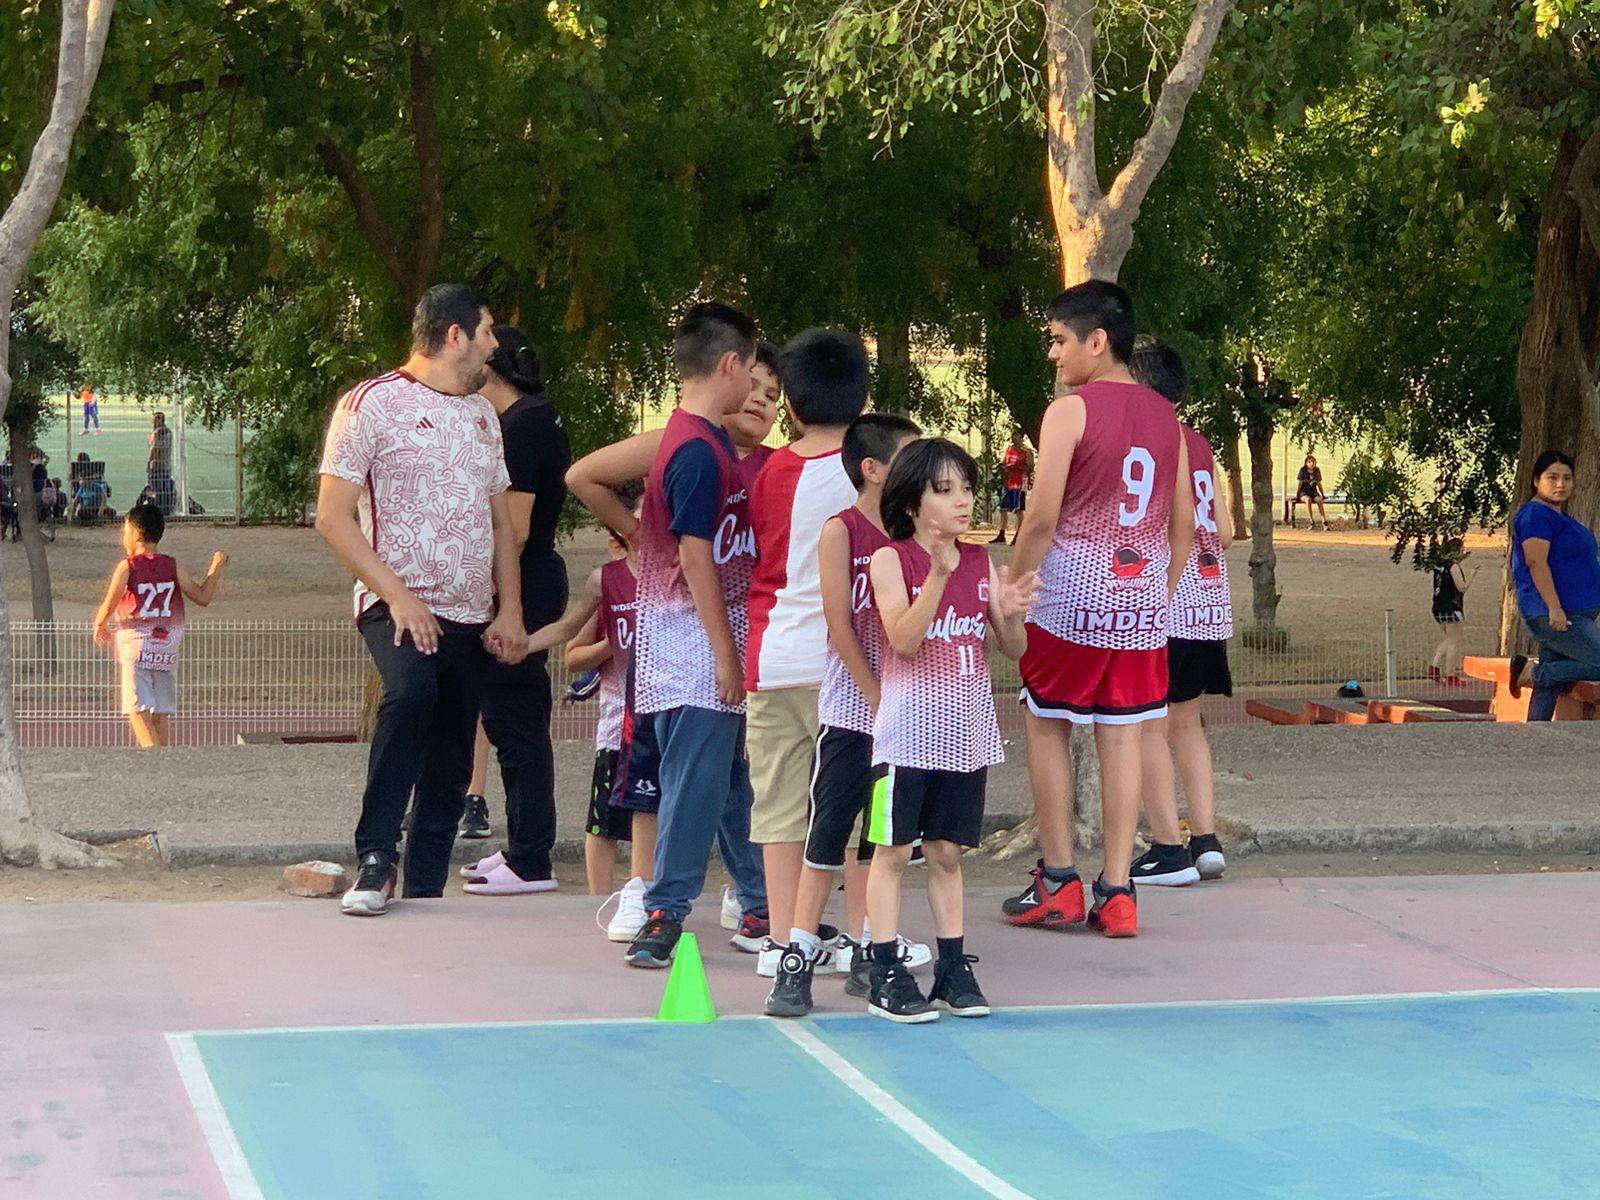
(1050, 774)
(1119, 747)
(945, 893)
(161, 728)
(1188, 738)
(642, 856)
(883, 890)
(599, 863)
(1450, 668)
(816, 884)
(1160, 796)
(143, 733)
(855, 895)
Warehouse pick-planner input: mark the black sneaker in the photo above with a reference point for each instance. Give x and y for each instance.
(654, 945)
(955, 988)
(1206, 851)
(374, 887)
(896, 997)
(475, 820)
(791, 991)
(1164, 866)
(860, 982)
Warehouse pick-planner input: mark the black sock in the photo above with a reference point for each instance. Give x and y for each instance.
(1058, 876)
(886, 954)
(951, 948)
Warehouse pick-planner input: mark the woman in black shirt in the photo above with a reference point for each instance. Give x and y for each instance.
(1450, 584)
(1310, 490)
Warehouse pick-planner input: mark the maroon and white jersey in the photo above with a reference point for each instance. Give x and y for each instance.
(619, 601)
(840, 705)
(150, 614)
(427, 463)
(1202, 610)
(1103, 582)
(674, 666)
(937, 711)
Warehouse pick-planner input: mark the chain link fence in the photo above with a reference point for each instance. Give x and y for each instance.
(306, 680)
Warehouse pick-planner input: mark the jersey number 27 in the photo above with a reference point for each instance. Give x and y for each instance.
(155, 599)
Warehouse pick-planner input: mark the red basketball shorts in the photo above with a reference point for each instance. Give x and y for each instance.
(1092, 686)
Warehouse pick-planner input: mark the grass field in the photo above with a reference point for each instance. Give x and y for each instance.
(207, 454)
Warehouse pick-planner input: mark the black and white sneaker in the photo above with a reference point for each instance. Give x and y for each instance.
(860, 982)
(1206, 851)
(654, 945)
(955, 988)
(475, 820)
(374, 887)
(791, 990)
(895, 996)
(1164, 866)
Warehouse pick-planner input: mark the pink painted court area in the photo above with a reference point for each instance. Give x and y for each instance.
(471, 1048)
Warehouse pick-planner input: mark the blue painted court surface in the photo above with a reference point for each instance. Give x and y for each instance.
(1487, 1095)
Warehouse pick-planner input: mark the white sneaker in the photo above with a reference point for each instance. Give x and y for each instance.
(732, 910)
(771, 954)
(484, 865)
(913, 954)
(630, 916)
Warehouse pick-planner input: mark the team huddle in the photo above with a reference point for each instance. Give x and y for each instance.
(793, 651)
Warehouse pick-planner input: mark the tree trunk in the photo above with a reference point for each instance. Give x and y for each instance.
(1230, 467)
(1555, 361)
(1264, 595)
(892, 389)
(28, 523)
(84, 27)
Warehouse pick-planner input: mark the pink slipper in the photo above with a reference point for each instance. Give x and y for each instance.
(484, 865)
(503, 881)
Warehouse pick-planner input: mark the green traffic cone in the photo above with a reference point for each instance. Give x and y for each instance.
(688, 997)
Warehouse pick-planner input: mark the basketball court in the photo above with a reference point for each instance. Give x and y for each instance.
(1407, 1037)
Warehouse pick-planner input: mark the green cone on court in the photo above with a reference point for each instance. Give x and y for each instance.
(688, 996)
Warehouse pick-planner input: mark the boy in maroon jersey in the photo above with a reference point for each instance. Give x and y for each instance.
(1109, 531)
(146, 595)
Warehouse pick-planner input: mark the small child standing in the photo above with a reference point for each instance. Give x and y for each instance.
(935, 734)
(146, 595)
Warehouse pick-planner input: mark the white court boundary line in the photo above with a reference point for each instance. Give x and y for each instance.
(913, 1126)
(237, 1177)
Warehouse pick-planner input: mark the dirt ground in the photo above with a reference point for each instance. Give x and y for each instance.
(1334, 584)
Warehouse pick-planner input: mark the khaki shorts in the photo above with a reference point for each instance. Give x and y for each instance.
(781, 740)
(148, 691)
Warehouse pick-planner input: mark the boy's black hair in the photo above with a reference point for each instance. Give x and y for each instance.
(147, 520)
(630, 494)
(826, 376)
(1549, 459)
(770, 357)
(874, 435)
(441, 306)
(516, 361)
(705, 333)
(915, 469)
(1098, 304)
(1160, 368)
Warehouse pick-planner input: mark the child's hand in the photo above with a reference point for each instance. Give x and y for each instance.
(218, 561)
(943, 562)
(1016, 596)
(102, 635)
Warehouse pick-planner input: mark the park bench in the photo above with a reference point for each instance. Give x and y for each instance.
(1278, 712)
(1578, 702)
(1410, 712)
(1336, 712)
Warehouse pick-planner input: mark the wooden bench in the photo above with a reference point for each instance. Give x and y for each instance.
(1336, 712)
(1578, 702)
(1408, 712)
(1277, 712)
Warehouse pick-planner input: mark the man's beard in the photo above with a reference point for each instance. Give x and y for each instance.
(476, 378)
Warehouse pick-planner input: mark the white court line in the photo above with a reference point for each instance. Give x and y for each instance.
(214, 1124)
(913, 1126)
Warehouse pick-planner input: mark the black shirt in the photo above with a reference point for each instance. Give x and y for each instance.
(537, 457)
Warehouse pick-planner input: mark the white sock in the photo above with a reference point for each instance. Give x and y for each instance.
(809, 942)
(866, 932)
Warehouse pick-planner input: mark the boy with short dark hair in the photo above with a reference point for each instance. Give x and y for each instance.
(1109, 530)
(841, 774)
(826, 375)
(146, 595)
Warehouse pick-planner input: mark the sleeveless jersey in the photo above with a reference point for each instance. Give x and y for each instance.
(619, 600)
(840, 704)
(674, 665)
(1202, 610)
(150, 614)
(937, 711)
(1103, 581)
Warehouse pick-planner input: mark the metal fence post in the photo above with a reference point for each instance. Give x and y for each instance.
(1391, 672)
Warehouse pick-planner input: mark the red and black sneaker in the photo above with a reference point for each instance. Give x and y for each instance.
(751, 933)
(1115, 912)
(655, 944)
(1040, 903)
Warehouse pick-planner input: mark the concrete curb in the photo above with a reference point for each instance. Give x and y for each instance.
(1565, 837)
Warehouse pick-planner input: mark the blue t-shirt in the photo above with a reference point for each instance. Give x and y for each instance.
(692, 485)
(1573, 562)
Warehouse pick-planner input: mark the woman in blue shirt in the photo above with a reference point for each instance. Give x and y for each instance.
(1556, 566)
